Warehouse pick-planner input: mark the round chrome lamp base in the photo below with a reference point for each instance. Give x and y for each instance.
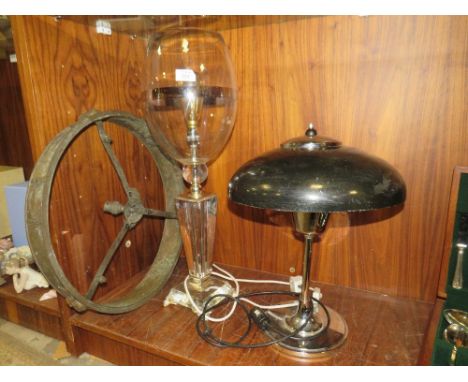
(318, 342)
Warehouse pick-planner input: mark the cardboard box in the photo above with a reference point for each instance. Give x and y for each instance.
(15, 195)
(8, 175)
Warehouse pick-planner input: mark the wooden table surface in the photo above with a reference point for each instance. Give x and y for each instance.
(383, 330)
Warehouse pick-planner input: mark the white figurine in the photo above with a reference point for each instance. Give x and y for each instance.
(19, 252)
(24, 277)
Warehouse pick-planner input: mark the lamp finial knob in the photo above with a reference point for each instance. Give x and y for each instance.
(311, 132)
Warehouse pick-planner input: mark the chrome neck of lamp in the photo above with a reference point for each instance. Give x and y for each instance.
(311, 225)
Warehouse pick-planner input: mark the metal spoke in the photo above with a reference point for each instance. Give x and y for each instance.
(160, 214)
(116, 208)
(107, 142)
(98, 277)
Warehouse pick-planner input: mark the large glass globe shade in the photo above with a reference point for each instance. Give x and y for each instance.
(191, 94)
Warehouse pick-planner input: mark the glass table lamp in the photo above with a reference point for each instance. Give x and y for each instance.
(312, 176)
(190, 110)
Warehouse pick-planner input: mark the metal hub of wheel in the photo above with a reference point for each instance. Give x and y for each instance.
(37, 215)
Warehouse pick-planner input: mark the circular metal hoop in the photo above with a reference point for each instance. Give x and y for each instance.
(37, 215)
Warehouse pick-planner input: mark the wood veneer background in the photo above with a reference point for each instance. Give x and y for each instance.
(392, 86)
(15, 149)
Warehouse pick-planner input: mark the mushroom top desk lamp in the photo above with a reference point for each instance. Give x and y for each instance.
(313, 176)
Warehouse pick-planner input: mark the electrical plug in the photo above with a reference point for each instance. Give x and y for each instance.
(295, 284)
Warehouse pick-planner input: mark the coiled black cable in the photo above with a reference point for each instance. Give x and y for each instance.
(206, 333)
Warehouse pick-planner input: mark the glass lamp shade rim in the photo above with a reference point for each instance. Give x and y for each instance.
(174, 31)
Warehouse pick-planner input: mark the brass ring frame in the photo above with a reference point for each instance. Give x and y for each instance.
(37, 215)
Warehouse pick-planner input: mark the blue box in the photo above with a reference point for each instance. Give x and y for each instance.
(15, 195)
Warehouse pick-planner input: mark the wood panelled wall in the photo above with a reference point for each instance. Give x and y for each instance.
(15, 148)
(392, 86)
(67, 70)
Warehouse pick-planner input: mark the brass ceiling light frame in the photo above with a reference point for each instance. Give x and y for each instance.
(37, 215)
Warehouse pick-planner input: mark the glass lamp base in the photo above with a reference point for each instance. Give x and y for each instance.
(325, 338)
(200, 290)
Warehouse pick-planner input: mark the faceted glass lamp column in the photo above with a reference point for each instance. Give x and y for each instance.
(190, 109)
(197, 220)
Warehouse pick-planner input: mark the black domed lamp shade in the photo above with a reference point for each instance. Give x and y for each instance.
(312, 176)
(317, 174)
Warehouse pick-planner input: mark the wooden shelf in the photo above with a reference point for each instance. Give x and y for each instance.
(25, 309)
(383, 330)
(30, 298)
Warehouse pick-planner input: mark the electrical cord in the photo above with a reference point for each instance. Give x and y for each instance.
(236, 281)
(256, 314)
(228, 276)
(206, 333)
